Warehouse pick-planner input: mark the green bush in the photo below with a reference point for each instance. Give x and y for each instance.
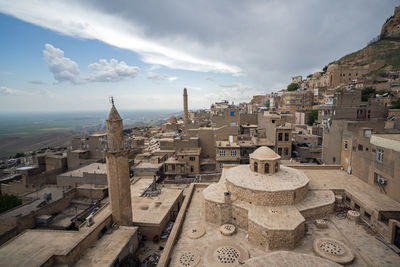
(367, 92)
(396, 104)
(312, 117)
(293, 87)
(8, 202)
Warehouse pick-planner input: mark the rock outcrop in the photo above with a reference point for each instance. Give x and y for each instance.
(391, 28)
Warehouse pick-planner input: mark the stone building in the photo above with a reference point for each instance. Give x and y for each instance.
(269, 201)
(227, 152)
(94, 173)
(297, 101)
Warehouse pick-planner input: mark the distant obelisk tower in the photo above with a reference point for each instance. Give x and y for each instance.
(185, 107)
(118, 170)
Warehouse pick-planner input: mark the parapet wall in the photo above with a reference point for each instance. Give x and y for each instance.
(268, 198)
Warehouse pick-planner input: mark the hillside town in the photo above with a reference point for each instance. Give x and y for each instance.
(308, 174)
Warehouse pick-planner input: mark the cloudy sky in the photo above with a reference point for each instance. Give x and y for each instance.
(73, 55)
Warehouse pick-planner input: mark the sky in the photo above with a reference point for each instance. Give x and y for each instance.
(65, 55)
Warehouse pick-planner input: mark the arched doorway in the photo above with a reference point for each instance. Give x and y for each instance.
(266, 168)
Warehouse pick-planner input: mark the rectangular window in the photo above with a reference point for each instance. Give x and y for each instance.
(279, 136)
(346, 144)
(232, 113)
(384, 219)
(173, 167)
(280, 151)
(222, 153)
(221, 165)
(192, 158)
(286, 136)
(360, 147)
(191, 169)
(356, 206)
(367, 215)
(379, 155)
(233, 153)
(286, 151)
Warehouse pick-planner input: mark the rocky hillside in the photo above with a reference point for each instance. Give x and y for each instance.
(385, 47)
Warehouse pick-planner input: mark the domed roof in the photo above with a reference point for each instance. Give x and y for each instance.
(172, 119)
(113, 115)
(264, 153)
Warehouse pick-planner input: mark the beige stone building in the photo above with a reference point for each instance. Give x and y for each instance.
(297, 101)
(227, 152)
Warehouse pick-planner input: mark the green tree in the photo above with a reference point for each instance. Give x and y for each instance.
(8, 202)
(396, 104)
(367, 92)
(312, 117)
(324, 69)
(293, 87)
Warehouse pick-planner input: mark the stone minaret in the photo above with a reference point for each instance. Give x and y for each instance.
(185, 107)
(118, 170)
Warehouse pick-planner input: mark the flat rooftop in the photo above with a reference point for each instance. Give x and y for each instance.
(340, 180)
(35, 247)
(389, 141)
(37, 196)
(99, 168)
(285, 179)
(153, 210)
(368, 250)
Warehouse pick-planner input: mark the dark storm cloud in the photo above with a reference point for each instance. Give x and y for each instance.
(267, 41)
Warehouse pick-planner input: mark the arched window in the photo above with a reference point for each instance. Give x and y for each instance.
(266, 168)
(255, 166)
(276, 167)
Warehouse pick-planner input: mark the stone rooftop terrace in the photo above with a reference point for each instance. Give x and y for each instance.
(368, 250)
(99, 168)
(285, 179)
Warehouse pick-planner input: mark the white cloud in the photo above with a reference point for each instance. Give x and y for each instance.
(159, 77)
(6, 91)
(63, 68)
(112, 71)
(46, 92)
(268, 40)
(79, 19)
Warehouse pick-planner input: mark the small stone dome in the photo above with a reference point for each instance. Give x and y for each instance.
(172, 119)
(264, 153)
(265, 161)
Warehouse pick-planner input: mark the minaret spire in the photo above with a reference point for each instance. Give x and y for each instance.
(118, 169)
(185, 107)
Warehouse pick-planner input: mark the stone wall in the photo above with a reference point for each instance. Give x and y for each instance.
(318, 212)
(240, 217)
(275, 239)
(264, 198)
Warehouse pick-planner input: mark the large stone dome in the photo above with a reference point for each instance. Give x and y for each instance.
(264, 153)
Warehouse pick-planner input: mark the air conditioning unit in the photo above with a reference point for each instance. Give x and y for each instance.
(89, 220)
(381, 181)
